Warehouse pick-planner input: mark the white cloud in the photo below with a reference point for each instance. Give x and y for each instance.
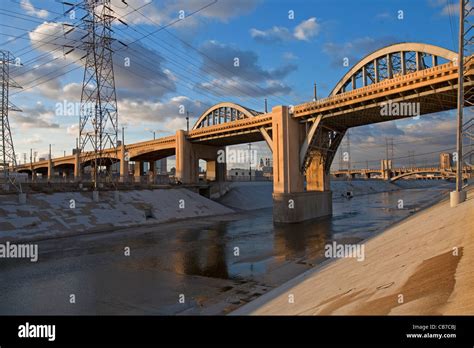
(138, 112)
(275, 34)
(307, 29)
(304, 31)
(30, 9)
(36, 116)
(141, 79)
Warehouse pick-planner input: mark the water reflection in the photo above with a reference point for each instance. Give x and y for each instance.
(210, 252)
(302, 240)
(201, 252)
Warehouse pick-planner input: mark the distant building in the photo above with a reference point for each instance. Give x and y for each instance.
(445, 160)
(162, 166)
(239, 174)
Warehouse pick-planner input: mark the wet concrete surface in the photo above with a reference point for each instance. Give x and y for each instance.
(200, 266)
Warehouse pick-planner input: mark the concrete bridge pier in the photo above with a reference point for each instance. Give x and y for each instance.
(50, 169)
(123, 164)
(187, 163)
(215, 169)
(291, 202)
(187, 160)
(77, 167)
(387, 169)
(151, 171)
(138, 171)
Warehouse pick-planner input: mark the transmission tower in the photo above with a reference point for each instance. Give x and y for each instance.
(98, 121)
(468, 126)
(7, 149)
(465, 98)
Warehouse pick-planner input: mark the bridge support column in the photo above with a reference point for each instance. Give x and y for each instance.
(151, 171)
(386, 166)
(291, 203)
(138, 171)
(50, 169)
(316, 177)
(123, 164)
(186, 160)
(77, 167)
(215, 171)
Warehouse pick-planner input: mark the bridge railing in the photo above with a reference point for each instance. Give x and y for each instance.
(380, 85)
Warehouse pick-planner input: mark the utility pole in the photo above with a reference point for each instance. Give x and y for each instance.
(349, 166)
(187, 121)
(250, 162)
(6, 141)
(411, 159)
(388, 145)
(458, 196)
(266, 106)
(315, 94)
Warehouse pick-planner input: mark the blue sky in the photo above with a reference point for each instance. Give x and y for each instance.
(191, 64)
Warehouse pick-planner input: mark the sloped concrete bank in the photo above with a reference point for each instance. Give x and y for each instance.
(426, 258)
(246, 196)
(70, 213)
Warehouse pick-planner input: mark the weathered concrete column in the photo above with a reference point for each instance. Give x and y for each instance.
(316, 177)
(138, 171)
(162, 166)
(123, 164)
(50, 169)
(151, 171)
(386, 167)
(186, 160)
(287, 134)
(291, 203)
(77, 167)
(215, 171)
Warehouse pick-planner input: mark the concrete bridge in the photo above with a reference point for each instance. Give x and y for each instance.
(394, 174)
(304, 138)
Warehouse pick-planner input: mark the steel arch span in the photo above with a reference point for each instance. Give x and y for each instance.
(224, 113)
(392, 61)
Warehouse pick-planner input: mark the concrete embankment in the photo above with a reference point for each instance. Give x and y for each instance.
(68, 213)
(421, 266)
(258, 195)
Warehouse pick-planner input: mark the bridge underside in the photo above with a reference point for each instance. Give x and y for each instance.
(243, 137)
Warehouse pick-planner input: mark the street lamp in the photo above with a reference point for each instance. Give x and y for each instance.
(250, 162)
(187, 121)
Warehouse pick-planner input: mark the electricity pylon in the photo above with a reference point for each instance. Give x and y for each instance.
(8, 157)
(98, 121)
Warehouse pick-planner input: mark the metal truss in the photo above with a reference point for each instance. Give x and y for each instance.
(98, 121)
(7, 150)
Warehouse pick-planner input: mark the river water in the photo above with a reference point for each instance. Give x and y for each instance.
(201, 266)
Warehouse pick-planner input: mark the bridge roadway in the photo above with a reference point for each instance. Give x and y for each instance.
(395, 174)
(303, 138)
